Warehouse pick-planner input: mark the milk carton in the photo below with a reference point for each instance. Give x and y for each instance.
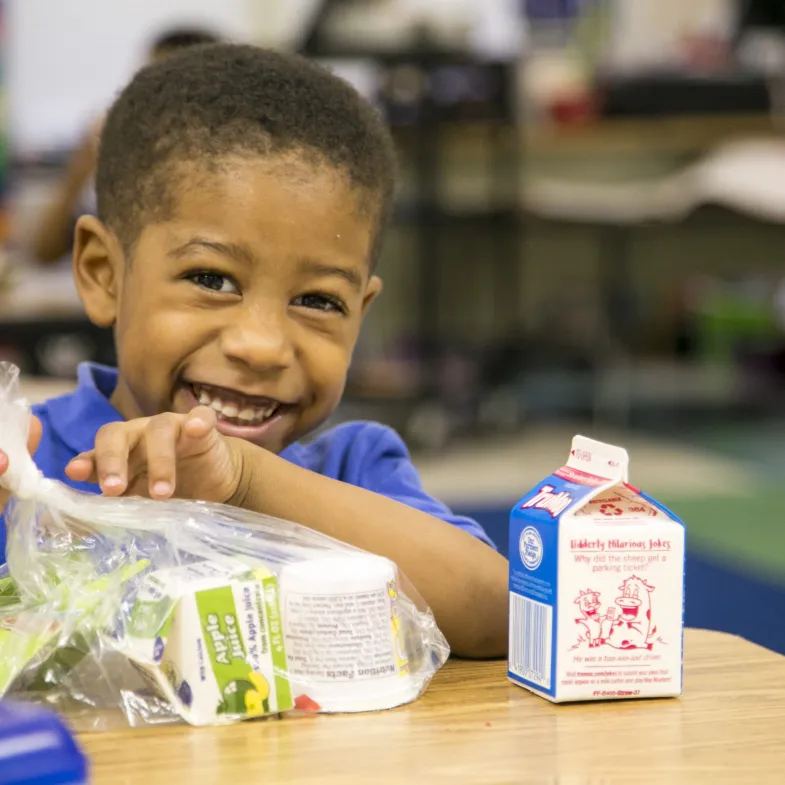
(596, 584)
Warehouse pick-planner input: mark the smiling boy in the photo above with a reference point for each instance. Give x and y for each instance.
(242, 195)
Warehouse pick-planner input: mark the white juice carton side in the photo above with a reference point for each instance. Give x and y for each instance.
(596, 584)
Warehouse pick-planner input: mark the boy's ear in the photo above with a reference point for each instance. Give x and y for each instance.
(372, 291)
(98, 269)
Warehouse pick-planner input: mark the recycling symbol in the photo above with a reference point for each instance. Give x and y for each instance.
(610, 509)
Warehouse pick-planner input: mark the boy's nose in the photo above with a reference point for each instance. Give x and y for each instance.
(258, 340)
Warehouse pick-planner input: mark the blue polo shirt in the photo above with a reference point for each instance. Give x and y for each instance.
(364, 454)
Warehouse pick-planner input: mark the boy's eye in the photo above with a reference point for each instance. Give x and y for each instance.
(215, 282)
(320, 302)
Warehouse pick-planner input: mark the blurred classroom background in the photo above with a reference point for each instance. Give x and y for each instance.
(589, 238)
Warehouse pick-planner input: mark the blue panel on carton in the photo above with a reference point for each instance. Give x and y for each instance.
(534, 565)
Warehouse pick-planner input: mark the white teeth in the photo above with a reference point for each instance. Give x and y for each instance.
(229, 410)
(233, 411)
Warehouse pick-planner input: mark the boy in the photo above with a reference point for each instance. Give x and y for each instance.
(241, 199)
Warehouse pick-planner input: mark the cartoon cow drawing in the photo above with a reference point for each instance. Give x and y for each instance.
(633, 628)
(597, 627)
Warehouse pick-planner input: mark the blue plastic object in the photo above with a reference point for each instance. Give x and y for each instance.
(36, 748)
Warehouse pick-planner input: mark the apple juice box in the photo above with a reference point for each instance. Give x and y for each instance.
(210, 636)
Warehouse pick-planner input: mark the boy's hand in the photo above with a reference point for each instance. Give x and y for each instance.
(167, 455)
(32, 445)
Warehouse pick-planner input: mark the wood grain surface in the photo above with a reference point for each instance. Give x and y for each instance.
(473, 726)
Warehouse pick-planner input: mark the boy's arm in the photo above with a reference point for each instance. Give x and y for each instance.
(462, 579)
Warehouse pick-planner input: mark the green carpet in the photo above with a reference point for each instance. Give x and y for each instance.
(747, 531)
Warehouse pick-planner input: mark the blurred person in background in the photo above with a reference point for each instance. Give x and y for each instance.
(73, 195)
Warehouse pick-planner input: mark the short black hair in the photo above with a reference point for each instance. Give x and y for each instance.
(181, 38)
(211, 102)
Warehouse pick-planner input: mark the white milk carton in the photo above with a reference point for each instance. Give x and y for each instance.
(596, 584)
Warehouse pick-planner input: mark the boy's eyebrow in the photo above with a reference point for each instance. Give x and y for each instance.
(238, 252)
(350, 274)
(242, 254)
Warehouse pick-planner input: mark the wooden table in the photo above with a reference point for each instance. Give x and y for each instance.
(472, 726)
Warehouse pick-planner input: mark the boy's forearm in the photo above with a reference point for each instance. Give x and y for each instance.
(462, 579)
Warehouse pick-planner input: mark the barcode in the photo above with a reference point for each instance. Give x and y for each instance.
(531, 625)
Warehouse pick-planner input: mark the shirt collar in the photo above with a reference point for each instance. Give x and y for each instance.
(77, 417)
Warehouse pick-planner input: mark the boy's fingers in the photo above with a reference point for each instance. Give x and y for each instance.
(82, 468)
(113, 443)
(160, 444)
(200, 421)
(155, 444)
(197, 432)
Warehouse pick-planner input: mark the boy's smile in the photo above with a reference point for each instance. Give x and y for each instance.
(246, 417)
(248, 300)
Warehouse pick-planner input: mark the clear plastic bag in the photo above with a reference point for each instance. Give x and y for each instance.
(188, 610)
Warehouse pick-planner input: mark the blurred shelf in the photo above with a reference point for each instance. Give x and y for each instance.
(612, 136)
(428, 55)
(645, 384)
(660, 134)
(441, 215)
(51, 312)
(33, 293)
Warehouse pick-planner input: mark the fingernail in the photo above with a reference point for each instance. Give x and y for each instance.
(112, 481)
(162, 489)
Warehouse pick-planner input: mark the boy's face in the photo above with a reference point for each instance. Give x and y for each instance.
(249, 300)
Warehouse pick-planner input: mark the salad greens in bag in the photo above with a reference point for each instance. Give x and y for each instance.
(171, 610)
